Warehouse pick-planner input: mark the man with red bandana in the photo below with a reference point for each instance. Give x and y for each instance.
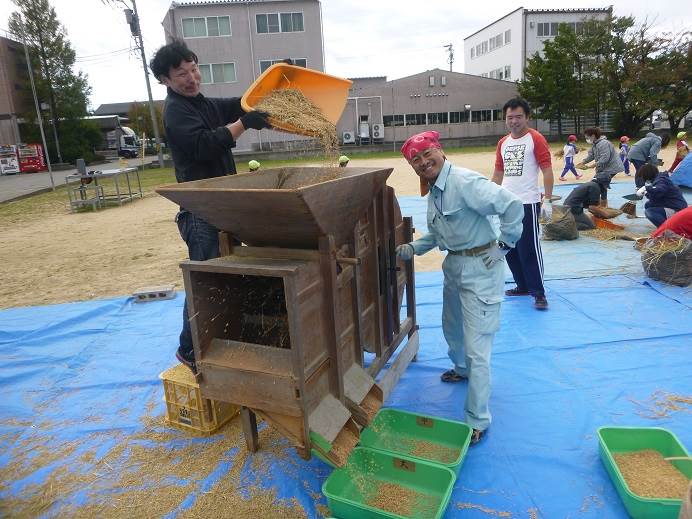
(201, 132)
(460, 205)
(519, 157)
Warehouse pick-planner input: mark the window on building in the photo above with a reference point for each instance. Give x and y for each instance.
(205, 71)
(508, 72)
(492, 43)
(484, 47)
(484, 74)
(459, 117)
(478, 49)
(218, 73)
(431, 81)
(473, 52)
(393, 120)
(266, 63)
(443, 81)
(203, 27)
(438, 118)
(194, 28)
(218, 26)
(497, 115)
(267, 23)
(508, 36)
(478, 116)
(546, 29)
(291, 22)
(415, 119)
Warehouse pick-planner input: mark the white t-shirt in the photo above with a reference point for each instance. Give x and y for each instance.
(520, 160)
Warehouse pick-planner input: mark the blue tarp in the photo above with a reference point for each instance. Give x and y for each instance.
(596, 357)
(682, 176)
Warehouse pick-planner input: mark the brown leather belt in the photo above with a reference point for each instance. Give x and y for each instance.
(475, 251)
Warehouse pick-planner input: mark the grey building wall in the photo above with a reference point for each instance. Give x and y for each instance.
(245, 47)
(419, 94)
(13, 80)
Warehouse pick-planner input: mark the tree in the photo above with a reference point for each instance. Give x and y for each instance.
(140, 118)
(676, 87)
(633, 70)
(52, 59)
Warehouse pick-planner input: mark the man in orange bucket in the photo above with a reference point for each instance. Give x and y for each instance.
(201, 133)
(460, 204)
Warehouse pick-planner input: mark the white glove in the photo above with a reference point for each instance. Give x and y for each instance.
(493, 255)
(546, 210)
(405, 251)
(641, 192)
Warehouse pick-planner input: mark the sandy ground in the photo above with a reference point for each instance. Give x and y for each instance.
(73, 257)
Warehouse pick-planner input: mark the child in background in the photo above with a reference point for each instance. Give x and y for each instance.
(624, 151)
(569, 151)
(682, 150)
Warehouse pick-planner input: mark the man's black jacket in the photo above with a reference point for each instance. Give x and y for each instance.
(200, 144)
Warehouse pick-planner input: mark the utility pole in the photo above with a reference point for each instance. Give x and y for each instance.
(450, 59)
(38, 109)
(133, 19)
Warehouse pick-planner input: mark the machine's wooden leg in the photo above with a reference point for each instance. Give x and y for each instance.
(249, 422)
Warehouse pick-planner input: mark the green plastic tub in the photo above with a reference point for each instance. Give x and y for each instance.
(428, 438)
(616, 440)
(351, 490)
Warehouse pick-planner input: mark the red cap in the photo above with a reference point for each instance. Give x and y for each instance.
(624, 138)
(572, 138)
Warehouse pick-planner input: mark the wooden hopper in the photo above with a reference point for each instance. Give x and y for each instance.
(283, 207)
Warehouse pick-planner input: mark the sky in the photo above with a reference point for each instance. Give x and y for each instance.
(362, 38)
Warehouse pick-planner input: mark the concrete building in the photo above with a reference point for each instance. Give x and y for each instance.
(14, 79)
(236, 40)
(500, 50)
(381, 111)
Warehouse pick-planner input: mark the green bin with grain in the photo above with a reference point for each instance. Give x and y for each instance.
(377, 485)
(647, 483)
(436, 440)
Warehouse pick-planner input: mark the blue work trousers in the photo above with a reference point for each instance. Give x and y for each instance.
(202, 241)
(470, 317)
(569, 166)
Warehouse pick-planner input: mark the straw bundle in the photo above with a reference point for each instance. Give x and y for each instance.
(291, 107)
(668, 258)
(608, 234)
(559, 154)
(629, 208)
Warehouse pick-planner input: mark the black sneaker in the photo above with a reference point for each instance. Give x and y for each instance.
(190, 363)
(541, 303)
(516, 292)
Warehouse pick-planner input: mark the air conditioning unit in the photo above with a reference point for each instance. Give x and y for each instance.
(348, 137)
(378, 131)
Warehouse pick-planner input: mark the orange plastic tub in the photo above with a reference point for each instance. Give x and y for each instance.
(328, 93)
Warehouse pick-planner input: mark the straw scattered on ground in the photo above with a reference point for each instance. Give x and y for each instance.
(146, 474)
(485, 510)
(662, 404)
(608, 234)
(648, 474)
(290, 107)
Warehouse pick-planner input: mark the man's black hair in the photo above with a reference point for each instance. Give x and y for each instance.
(517, 102)
(170, 55)
(665, 139)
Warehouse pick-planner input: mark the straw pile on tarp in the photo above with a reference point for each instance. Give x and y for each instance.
(668, 258)
(561, 226)
(606, 213)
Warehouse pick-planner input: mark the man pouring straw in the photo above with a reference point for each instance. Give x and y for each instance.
(460, 204)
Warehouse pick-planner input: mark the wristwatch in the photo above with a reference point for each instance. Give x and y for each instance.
(503, 245)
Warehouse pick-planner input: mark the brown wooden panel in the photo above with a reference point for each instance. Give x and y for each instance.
(251, 389)
(250, 357)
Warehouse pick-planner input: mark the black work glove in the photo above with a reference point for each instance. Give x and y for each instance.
(255, 120)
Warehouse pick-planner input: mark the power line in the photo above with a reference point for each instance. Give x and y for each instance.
(88, 56)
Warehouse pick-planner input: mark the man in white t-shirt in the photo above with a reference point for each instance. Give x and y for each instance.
(518, 159)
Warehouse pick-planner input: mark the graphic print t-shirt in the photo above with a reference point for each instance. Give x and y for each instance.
(521, 159)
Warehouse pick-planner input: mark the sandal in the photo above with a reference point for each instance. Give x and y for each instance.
(452, 376)
(476, 436)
